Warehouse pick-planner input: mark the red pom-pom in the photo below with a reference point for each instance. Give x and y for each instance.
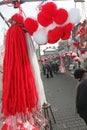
(76, 59)
(49, 8)
(66, 36)
(82, 52)
(54, 35)
(68, 27)
(31, 25)
(76, 44)
(44, 19)
(17, 18)
(61, 16)
(82, 45)
(82, 36)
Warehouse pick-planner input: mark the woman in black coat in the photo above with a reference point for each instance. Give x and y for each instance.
(81, 95)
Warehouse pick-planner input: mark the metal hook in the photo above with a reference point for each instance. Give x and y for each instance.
(39, 6)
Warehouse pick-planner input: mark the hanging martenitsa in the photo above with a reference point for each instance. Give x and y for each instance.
(79, 32)
(20, 96)
(52, 23)
(62, 67)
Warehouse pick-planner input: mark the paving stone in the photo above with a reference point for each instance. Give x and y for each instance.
(61, 94)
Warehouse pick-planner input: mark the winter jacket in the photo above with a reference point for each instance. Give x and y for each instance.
(81, 98)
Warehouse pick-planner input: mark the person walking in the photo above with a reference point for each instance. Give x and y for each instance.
(47, 70)
(81, 93)
(50, 70)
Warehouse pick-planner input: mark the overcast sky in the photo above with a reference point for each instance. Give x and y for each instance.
(30, 9)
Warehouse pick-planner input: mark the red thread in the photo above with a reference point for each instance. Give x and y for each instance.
(19, 89)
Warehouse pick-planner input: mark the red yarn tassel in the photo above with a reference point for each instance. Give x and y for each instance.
(4, 127)
(19, 90)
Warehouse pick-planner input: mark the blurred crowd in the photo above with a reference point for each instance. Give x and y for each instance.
(49, 69)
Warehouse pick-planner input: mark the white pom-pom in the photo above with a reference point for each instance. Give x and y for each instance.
(40, 36)
(76, 59)
(84, 55)
(74, 54)
(51, 26)
(74, 15)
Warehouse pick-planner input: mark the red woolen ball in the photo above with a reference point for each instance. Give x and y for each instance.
(68, 27)
(82, 52)
(76, 60)
(54, 35)
(82, 45)
(44, 19)
(76, 44)
(66, 36)
(73, 56)
(61, 16)
(17, 18)
(31, 25)
(82, 29)
(82, 36)
(49, 8)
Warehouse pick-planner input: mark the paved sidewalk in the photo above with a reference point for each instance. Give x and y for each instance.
(60, 92)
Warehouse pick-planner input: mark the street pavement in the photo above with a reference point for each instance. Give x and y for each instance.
(60, 93)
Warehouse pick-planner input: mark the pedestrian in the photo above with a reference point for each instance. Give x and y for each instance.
(50, 70)
(44, 69)
(81, 93)
(47, 70)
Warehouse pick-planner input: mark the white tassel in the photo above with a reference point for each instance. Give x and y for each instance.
(36, 70)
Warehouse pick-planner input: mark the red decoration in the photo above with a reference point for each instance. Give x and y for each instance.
(35, 128)
(17, 18)
(82, 29)
(49, 8)
(61, 16)
(19, 93)
(55, 34)
(82, 45)
(68, 27)
(82, 36)
(82, 52)
(66, 36)
(76, 59)
(31, 25)
(44, 19)
(76, 44)
(62, 67)
(21, 124)
(4, 127)
(73, 55)
(79, 32)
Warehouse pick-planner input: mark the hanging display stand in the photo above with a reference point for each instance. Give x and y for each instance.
(48, 114)
(79, 33)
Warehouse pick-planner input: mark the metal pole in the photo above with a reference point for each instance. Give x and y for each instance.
(4, 19)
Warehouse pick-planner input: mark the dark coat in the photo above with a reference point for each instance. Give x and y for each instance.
(81, 99)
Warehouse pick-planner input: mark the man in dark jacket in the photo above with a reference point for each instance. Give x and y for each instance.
(81, 95)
